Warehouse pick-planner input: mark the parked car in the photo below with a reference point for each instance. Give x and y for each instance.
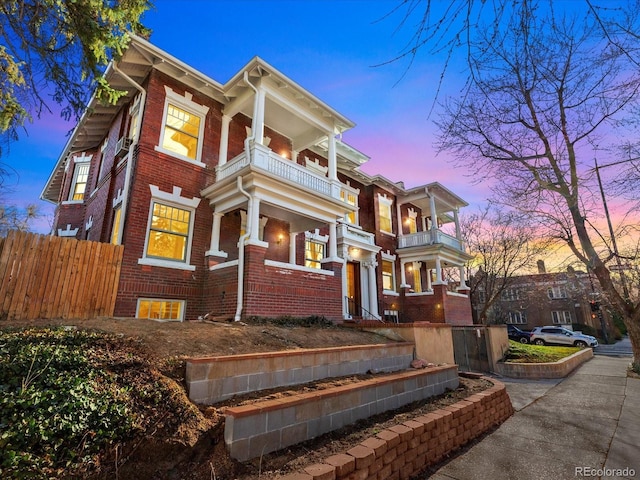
(518, 335)
(561, 336)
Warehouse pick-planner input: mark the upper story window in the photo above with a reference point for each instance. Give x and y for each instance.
(79, 184)
(183, 126)
(351, 199)
(170, 230)
(511, 294)
(313, 253)
(412, 221)
(556, 292)
(384, 213)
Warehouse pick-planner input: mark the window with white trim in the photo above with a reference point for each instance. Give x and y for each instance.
(517, 317)
(388, 276)
(412, 220)
(417, 277)
(183, 126)
(115, 226)
(79, 183)
(169, 229)
(556, 292)
(384, 213)
(160, 309)
(561, 317)
(510, 294)
(313, 253)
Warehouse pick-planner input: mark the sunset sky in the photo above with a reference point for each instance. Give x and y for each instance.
(338, 50)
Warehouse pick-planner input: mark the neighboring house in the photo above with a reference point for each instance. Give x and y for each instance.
(240, 199)
(536, 300)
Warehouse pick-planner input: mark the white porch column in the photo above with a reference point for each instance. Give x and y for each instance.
(333, 242)
(257, 124)
(399, 216)
(434, 214)
(457, 222)
(424, 223)
(332, 173)
(463, 279)
(214, 246)
(373, 291)
(429, 272)
(224, 140)
(292, 247)
(403, 275)
(439, 280)
(254, 220)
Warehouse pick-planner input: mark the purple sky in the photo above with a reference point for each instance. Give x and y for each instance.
(328, 47)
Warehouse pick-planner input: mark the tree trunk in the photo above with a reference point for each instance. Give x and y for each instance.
(633, 329)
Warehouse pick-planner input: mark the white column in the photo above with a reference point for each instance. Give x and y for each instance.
(332, 173)
(254, 220)
(457, 222)
(463, 279)
(224, 140)
(373, 290)
(333, 242)
(424, 223)
(403, 276)
(214, 247)
(257, 125)
(399, 216)
(429, 272)
(292, 247)
(439, 280)
(434, 214)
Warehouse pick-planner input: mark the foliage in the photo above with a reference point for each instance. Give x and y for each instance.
(59, 407)
(313, 321)
(58, 48)
(525, 353)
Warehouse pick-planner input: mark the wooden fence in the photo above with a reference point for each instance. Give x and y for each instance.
(55, 277)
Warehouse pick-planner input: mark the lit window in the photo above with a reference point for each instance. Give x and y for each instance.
(561, 317)
(384, 213)
(159, 309)
(79, 185)
(351, 199)
(168, 232)
(183, 126)
(417, 278)
(115, 228)
(313, 254)
(388, 276)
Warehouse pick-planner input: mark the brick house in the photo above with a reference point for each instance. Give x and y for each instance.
(241, 199)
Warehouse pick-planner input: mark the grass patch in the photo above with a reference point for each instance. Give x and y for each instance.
(524, 353)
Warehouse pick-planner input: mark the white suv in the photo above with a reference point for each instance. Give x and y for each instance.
(561, 336)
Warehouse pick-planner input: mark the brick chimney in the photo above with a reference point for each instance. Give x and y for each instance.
(541, 267)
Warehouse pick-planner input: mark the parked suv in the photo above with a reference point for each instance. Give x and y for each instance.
(518, 335)
(561, 336)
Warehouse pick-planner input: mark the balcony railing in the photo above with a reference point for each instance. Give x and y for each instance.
(265, 159)
(429, 237)
(354, 234)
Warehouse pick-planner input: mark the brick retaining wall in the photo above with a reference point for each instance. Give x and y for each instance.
(264, 427)
(213, 379)
(407, 449)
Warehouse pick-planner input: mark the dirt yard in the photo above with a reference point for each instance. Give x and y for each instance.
(191, 446)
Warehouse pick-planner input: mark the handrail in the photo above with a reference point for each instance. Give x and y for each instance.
(369, 315)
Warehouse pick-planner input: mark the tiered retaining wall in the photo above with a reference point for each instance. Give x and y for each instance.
(213, 379)
(264, 427)
(407, 449)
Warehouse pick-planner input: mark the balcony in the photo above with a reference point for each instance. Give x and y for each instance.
(285, 169)
(429, 237)
(355, 236)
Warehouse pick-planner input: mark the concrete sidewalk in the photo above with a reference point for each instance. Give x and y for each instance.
(584, 426)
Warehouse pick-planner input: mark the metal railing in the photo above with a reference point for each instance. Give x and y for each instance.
(363, 312)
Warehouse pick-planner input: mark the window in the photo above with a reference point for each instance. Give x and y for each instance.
(561, 317)
(417, 278)
(313, 253)
(556, 292)
(384, 212)
(183, 126)
(170, 229)
(482, 297)
(412, 220)
(160, 309)
(168, 232)
(511, 294)
(115, 228)
(517, 317)
(351, 199)
(79, 184)
(388, 276)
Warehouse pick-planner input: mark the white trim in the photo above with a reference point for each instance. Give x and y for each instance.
(456, 294)
(68, 232)
(315, 236)
(220, 266)
(157, 262)
(384, 200)
(300, 268)
(118, 198)
(388, 256)
(420, 294)
(183, 305)
(391, 293)
(89, 224)
(174, 197)
(186, 103)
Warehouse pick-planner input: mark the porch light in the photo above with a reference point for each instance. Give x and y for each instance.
(280, 238)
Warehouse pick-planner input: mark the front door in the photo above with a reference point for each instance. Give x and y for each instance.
(353, 289)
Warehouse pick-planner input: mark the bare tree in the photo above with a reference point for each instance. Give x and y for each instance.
(504, 244)
(543, 87)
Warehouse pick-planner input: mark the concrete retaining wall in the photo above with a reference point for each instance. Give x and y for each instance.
(558, 369)
(405, 450)
(213, 379)
(264, 427)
